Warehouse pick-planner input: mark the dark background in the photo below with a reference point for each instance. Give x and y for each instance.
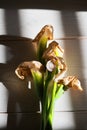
(45, 4)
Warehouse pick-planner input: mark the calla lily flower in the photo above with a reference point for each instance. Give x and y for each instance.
(34, 70)
(71, 82)
(53, 50)
(53, 55)
(25, 69)
(40, 41)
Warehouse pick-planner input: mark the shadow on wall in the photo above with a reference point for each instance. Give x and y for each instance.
(74, 60)
(21, 99)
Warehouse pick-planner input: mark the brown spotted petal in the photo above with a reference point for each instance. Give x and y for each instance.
(46, 31)
(53, 50)
(24, 69)
(76, 84)
(71, 82)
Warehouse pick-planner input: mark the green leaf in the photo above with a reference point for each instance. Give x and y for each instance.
(59, 91)
(38, 81)
(41, 47)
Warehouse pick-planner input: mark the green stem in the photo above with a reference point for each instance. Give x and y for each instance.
(47, 112)
(46, 120)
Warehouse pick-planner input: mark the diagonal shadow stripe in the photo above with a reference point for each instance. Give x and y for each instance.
(20, 98)
(71, 28)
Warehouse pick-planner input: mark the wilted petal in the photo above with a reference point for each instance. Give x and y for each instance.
(53, 50)
(71, 82)
(76, 84)
(46, 33)
(24, 69)
(47, 30)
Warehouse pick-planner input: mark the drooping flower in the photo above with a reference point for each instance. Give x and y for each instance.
(40, 41)
(53, 56)
(53, 50)
(71, 82)
(34, 70)
(25, 69)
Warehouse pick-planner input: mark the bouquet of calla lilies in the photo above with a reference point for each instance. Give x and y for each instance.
(47, 73)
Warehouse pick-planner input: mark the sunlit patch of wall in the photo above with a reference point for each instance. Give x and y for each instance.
(2, 22)
(3, 120)
(39, 19)
(3, 90)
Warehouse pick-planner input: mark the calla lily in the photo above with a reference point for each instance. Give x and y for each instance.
(53, 50)
(57, 66)
(32, 69)
(40, 41)
(25, 69)
(71, 82)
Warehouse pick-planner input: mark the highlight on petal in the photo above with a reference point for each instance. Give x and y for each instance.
(50, 66)
(24, 69)
(19, 73)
